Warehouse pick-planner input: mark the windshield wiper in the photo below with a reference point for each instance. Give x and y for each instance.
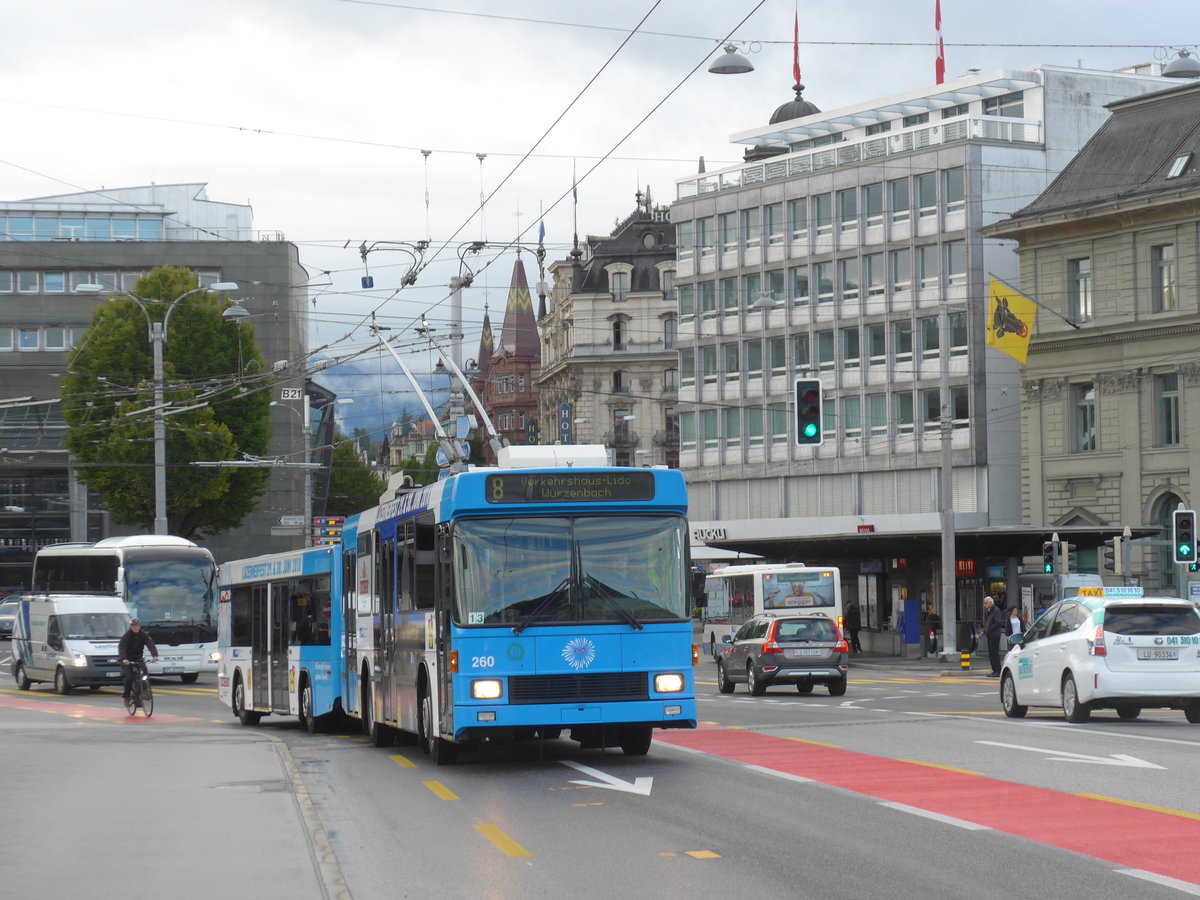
(542, 606)
(606, 594)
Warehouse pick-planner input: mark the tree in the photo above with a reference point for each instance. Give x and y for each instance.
(353, 487)
(111, 375)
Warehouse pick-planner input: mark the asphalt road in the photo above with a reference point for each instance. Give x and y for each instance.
(911, 785)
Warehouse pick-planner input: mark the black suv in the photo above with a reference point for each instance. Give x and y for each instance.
(784, 648)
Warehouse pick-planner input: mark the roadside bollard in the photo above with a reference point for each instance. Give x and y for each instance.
(966, 661)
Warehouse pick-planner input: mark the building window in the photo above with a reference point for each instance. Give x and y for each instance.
(916, 119)
(754, 425)
(1180, 164)
(708, 428)
(800, 356)
(902, 412)
(850, 348)
(1009, 105)
(774, 223)
(704, 236)
(901, 270)
(670, 332)
(687, 366)
(898, 200)
(668, 282)
(1166, 403)
(620, 334)
(930, 343)
(729, 296)
(1162, 274)
(685, 239)
(826, 358)
(708, 299)
(829, 420)
(1079, 283)
(620, 286)
(777, 421)
(876, 343)
(931, 409)
(927, 194)
(6, 282)
(956, 262)
(958, 335)
(521, 383)
(708, 364)
(798, 218)
(751, 289)
(775, 288)
(27, 339)
(872, 201)
(953, 189)
(54, 282)
(777, 355)
(54, 338)
(733, 428)
(752, 227)
(28, 282)
(754, 360)
(877, 414)
(687, 303)
(847, 202)
(878, 128)
(20, 228)
(953, 112)
(687, 431)
(875, 274)
(727, 231)
(620, 382)
(732, 365)
(927, 265)
(823, 213)
(848, 276)
(824, 274)
(800, 286)
(960, 408)
(852, 417)
(670, 379)
(1083, 404)
(6, 338)
(902, 340)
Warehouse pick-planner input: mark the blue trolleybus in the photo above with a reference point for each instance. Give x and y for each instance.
(522, 602)
(279, 635)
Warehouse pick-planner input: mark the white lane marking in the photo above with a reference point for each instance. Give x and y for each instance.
(641, 785)
(1185, 887)
(1116, 759)
(799, 779)
(937, 817)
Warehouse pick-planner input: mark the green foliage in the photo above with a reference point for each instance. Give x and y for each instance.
(353, 487)
(111, 373)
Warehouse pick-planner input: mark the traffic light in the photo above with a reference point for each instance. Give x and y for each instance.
(1112, 556)
(809, 431)
(1049, 552)
(1069, 561)
(327, 530)
(1184, 521)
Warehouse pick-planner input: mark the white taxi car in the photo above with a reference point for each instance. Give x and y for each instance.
(1106, 648)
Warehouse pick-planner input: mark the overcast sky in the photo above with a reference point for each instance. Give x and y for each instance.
(315, 112)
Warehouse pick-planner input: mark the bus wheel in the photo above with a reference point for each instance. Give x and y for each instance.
(190, 677)
(22, 681)
(307, 719)
(443, 753)
(635, 740)
(377, 733)
(60, 681)
(245, 716)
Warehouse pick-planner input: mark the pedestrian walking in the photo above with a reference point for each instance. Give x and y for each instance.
(993, 627)
(854, 625)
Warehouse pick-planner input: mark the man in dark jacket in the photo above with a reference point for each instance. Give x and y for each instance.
(993, 627)
(133, 644)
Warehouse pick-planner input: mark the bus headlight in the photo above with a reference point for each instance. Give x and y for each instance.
(215, 656)
(487, 689)
(668, 683)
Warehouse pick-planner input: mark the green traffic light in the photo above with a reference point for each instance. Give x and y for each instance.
(1048, 568)
(810, 430)
(1185, 551)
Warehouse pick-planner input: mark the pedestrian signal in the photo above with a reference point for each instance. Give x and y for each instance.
(1049, 551)
(809, 430)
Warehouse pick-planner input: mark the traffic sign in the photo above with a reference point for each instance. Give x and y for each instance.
(291, 521)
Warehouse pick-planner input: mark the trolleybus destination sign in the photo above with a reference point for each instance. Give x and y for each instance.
(569, 487)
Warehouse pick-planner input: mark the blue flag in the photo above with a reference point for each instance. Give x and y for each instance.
(541, 232)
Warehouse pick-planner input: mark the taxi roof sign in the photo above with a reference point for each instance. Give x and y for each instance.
(1115, 591)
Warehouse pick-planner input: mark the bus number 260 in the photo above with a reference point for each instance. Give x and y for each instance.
(483, 662)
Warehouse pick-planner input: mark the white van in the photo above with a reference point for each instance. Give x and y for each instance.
(69, 640)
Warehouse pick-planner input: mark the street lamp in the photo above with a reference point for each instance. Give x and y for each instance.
(158, 339)
(305, 418)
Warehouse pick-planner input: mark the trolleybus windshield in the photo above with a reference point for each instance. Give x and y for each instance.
(546, 570)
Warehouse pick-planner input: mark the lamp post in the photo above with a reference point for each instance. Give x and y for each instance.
(305, 418)
(157, 332)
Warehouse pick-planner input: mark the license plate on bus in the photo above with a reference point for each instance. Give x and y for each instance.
(1158, 653)
(806, 652)
(172, 670)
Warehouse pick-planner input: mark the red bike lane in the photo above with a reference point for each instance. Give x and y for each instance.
(115, 714)
(1128, 836)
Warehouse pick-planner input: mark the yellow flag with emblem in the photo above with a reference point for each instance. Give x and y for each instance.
(1011, 317)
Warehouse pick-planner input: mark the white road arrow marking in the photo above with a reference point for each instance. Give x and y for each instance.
(1116, 759)
(611, 782)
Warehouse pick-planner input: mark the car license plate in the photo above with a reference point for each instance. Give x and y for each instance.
(172, 670)
(805, 652)
(113, 674)
(1158, 653)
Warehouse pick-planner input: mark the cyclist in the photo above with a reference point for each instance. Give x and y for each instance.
(133, 644)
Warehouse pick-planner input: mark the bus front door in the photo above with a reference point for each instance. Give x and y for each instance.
(260, 654)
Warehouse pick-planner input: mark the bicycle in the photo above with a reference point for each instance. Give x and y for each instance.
(140, 693)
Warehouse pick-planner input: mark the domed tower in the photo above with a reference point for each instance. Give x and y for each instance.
(796, 108)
